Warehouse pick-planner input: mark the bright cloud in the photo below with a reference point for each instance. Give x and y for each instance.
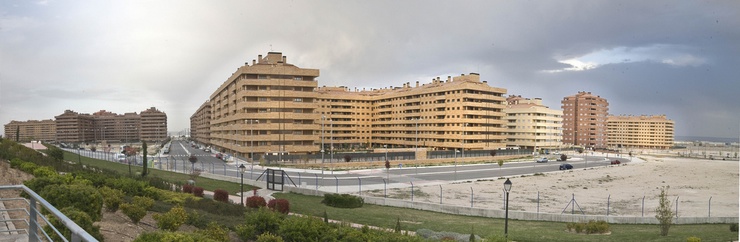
(667, 54)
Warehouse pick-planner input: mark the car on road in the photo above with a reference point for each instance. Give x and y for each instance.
(219, 156)
(207, 150)
(616, 162)
(566, 166)
(542, 160)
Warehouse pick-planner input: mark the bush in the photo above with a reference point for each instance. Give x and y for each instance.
(156, 236)
(187, 188)
(216, 232)
(172, 219)
(444, 235)
(597, 227)
(733, 227)
(112, 198)
(28, 167)
(196, 219)
(256, 202)
(134, 212)
(280, 205)
(83, 197)
(143, 202)
(342, 200)
(198, 191)
(214, 207)
(16, 163)
(81, 218)
(129, 186)
(303, 229)
(221, 195)
(693, 239)
(259, 222)
(153, 193)
(44, 171)
(268, 237)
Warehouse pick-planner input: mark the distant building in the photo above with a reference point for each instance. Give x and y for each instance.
(532, 125)
(272, 106)
(584, 120)
(642, 132)
(73, 127)
(40, 130)
(200, 124)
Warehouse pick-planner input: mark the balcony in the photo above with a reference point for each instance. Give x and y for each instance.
(34, 232)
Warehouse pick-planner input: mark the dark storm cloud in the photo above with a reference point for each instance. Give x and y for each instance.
(645, 57)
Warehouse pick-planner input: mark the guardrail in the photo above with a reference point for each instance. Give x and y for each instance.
(34, 231)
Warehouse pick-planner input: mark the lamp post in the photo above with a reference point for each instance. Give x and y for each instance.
(416, 146)
(242, 168)
(386, 152)
(331, 144)
(507, 188)
(456, 164)
(251, 144)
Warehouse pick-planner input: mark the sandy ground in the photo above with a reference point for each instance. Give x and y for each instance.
(622, 188)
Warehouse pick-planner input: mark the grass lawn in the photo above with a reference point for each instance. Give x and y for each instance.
(411, 219)
(123, 169)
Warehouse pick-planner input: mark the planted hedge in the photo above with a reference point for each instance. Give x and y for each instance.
(342, 200)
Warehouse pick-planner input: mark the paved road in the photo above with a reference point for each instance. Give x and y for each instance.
(180, 151)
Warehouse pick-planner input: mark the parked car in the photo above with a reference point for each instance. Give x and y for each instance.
(207, 150)
(566, 166)
(616, 162)
(542, 160)
(220, 156)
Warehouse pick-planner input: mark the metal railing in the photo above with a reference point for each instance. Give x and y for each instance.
(34, 230)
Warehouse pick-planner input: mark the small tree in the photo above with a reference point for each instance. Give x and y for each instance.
(493, 153)
(500, 164)
(397, 229)
(144, 160)
(192, 160)
(347, 158)
(663, 212)
(563, 157)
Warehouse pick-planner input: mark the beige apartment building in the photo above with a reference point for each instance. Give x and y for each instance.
(461, 112)
(73, 127)
(31, 130)
(274, 107)
(585, 120)
(532, 125)
(641, 132)
(200, 122)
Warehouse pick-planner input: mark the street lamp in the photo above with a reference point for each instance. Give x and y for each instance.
(251, 144)
(242, 168)
(331, 144)
(507, 188)
(323, 118)
(456, 164)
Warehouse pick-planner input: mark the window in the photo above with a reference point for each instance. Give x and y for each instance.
(298, 100)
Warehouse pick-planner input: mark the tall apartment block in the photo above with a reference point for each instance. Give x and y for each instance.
(274, 107)
(200, 123)
(642, 132)
(585, 120)
(42, 130)
(460, 112)
(532, 125)
(75, 127)
(265, 107)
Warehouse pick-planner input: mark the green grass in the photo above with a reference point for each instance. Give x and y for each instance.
(123, 169)
(411, 219)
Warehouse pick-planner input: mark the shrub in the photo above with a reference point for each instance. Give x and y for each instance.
(134, 212)
(198, 191)
(153, 193)
(303, 229)
(28, 167)
(215, 232)
(16, 163)
(733, 227)
(175, 198)
(172, 219)
(171, 236)
(597, 227)
(187, 188)
(563, 157)
(112, 198)
(83, 197)
(268, 237)
(81, 218)
(280, 205)
(342, 200)
(44, 171)
(259, 222)
(347, 158)
(129, 186)
(214, 207)
(196, 219)
(143, 202)
(693, 239)
(663, 212)
(256, 202)
(221, 195)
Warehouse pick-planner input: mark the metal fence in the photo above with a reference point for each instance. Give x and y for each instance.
(34, 231)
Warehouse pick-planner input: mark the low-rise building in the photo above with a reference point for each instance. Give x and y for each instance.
(641, 132)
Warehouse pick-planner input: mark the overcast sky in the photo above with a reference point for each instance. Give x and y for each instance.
(678, 58)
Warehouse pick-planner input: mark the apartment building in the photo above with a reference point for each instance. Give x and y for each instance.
(73, 127)
(272, 106)
(585, 120)
(41, 130)
(642, 132)
(266, 107)
(200, 122)
(532, 125)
